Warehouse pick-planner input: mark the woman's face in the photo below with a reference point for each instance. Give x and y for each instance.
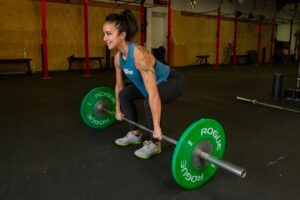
(112, 37)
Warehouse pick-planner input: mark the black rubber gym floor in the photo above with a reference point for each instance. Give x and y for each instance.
(47, 152)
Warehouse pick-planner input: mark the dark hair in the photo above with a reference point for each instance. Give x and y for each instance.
(125, 22)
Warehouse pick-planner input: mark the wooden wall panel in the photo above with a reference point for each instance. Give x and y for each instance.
(65, 33)
(226, 38)
(194, 32)
(179, 61)
(21, 28)
(65, 24)
(32, 33)
(198, 33)
(246, 37)
(12, 32)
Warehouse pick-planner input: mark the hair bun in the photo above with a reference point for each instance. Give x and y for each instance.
(129, 18)
(125, 22)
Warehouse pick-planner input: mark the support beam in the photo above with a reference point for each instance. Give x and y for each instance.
(218, 37)
(298, 54)
(235, 39)
(86, 39)
(290, 41)
(142, 23)
(44, 36)
(272, 41)
(259, 40)
(169, 52)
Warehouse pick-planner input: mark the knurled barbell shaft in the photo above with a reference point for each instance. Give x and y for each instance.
(205, 156)
(141, 126)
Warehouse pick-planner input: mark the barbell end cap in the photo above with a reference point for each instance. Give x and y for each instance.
(100, 107)
(243, 174)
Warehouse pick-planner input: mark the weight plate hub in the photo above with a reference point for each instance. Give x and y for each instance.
(90, 107)
(185, 172)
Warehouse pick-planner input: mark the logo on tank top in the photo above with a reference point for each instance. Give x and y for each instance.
(127, 71)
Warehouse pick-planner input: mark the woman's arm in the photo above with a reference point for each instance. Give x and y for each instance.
(119, 85)
(144, 62)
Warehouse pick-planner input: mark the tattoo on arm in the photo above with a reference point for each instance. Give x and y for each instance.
(144, 63)
(142, 49)
(145, 66)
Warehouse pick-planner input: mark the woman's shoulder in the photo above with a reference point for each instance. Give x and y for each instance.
(141, 54)
(140, 50)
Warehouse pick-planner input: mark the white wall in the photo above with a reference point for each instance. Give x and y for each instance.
(283, 30)
(151, 28)
(159, 30)
(283, 34)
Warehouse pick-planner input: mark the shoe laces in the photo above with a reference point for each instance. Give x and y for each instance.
(127, 136)
(146, 144)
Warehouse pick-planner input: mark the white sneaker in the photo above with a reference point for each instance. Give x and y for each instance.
(148, 150)
(128, 139)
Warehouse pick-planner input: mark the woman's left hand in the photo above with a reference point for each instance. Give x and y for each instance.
(157, 133)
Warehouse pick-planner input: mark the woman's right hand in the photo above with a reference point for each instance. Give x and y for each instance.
(119, 115)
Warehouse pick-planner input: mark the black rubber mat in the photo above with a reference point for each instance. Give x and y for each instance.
(48, 153)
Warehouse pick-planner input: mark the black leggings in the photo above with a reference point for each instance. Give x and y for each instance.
(169, 91)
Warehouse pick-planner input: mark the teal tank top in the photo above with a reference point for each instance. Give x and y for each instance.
(161, 70)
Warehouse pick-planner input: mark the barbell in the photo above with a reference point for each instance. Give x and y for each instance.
(197, 154)
(256, 102)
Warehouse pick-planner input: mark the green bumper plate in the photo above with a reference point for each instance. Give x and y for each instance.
(90, 112)
(184, 172)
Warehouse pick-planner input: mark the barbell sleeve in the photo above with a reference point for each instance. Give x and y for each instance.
(239, 171)
(205, 156)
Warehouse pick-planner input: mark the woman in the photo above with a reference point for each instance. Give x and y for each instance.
(153, 81)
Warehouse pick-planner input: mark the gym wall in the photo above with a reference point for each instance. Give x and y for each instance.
(197, 34)
(192, 35)
(21, 28)
(283, 34)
